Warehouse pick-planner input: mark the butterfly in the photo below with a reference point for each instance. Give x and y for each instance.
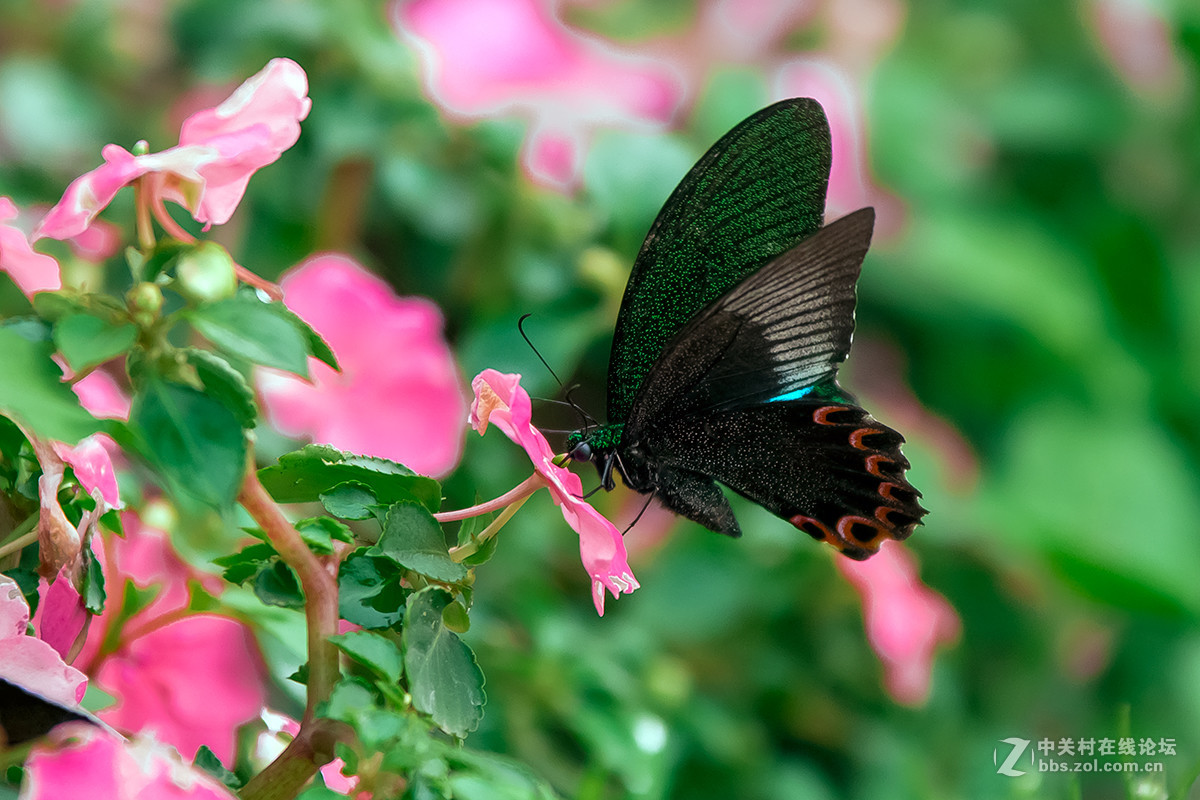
(738, 311)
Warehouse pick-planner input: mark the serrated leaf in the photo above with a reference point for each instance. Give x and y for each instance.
(85, 340)
(207, 760)
(443, 678)
(350, 500)
(225, 384)
(317, 347)
(246, 327)
(277, 585)
(380, 655)
(414, 539)
(369, 590)
(304, 475)
(193, 440)
(31, 387)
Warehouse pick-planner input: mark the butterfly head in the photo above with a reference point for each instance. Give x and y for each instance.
(599, 446)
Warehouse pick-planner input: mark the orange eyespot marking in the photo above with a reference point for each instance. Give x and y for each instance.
(814, 528)
(822, 414)
(860, 529)
(857, 437)
(876, 465)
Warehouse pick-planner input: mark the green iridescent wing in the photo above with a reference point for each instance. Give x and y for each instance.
(757, 192)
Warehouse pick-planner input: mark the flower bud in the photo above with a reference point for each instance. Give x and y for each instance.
(204, 274)
(144, 301)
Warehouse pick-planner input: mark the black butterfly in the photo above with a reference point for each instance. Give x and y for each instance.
(737, 313)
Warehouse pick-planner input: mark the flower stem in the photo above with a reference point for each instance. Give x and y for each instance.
(141, 204)
(19, 543)
(466, 549)
(522, 491)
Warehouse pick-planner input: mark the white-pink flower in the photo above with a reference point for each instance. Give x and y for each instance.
(398, 395)
(906, 621)
(219, 149)
(31, 272)
(500, 400)
(484, 58)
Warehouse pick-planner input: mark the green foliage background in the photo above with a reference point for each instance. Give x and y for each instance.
(1042, 300)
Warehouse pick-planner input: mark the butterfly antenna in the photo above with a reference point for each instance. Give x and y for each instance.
(645, 505)
(521, 329)
(588, 419)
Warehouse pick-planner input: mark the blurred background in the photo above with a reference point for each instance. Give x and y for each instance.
(1029, 318)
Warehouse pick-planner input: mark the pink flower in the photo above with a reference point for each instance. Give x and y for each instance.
(1139, 42)
(906, 621)
(99, 393)
(489, 57)
(219, 149)
(29, 662)
(499, 399)
(191, 682)
(31, 272)
(398, 396)
(82, 760)
(190, 678)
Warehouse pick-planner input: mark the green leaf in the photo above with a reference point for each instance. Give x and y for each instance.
(246, 327)
(414, 539)
(317, 347)
(319, 532)
(372, 650)
(443, 678)
(194, 440)
(350, 500)
(207, 760)
(248, 562)
(225, 384)
(31, 387)
(93, 584)
(369, 590)
(304, 475)
(278, 585)
(86, 341)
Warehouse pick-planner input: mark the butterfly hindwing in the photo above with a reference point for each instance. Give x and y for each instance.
(757, 192)
(824, 465)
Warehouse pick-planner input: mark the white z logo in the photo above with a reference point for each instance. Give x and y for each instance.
(1018, 748)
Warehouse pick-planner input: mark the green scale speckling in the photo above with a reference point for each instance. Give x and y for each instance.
(726, 219)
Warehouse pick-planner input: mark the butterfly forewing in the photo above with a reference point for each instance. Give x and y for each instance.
(757, 192)
(781, 330)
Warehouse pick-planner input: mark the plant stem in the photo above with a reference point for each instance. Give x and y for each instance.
(320, 588)
(466, 549)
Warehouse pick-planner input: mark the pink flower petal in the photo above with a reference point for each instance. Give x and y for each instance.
(191, 682)
(487, 57)
(500, 400)
(250, 130)
(31, 272)
(90, 193)
(60, 615)
(31, 663)
(98, 243)
(82, 760)
(99, 393)
(93, 467)
(398, 396)
(906, 621)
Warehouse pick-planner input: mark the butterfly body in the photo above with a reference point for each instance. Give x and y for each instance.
(737, 314)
